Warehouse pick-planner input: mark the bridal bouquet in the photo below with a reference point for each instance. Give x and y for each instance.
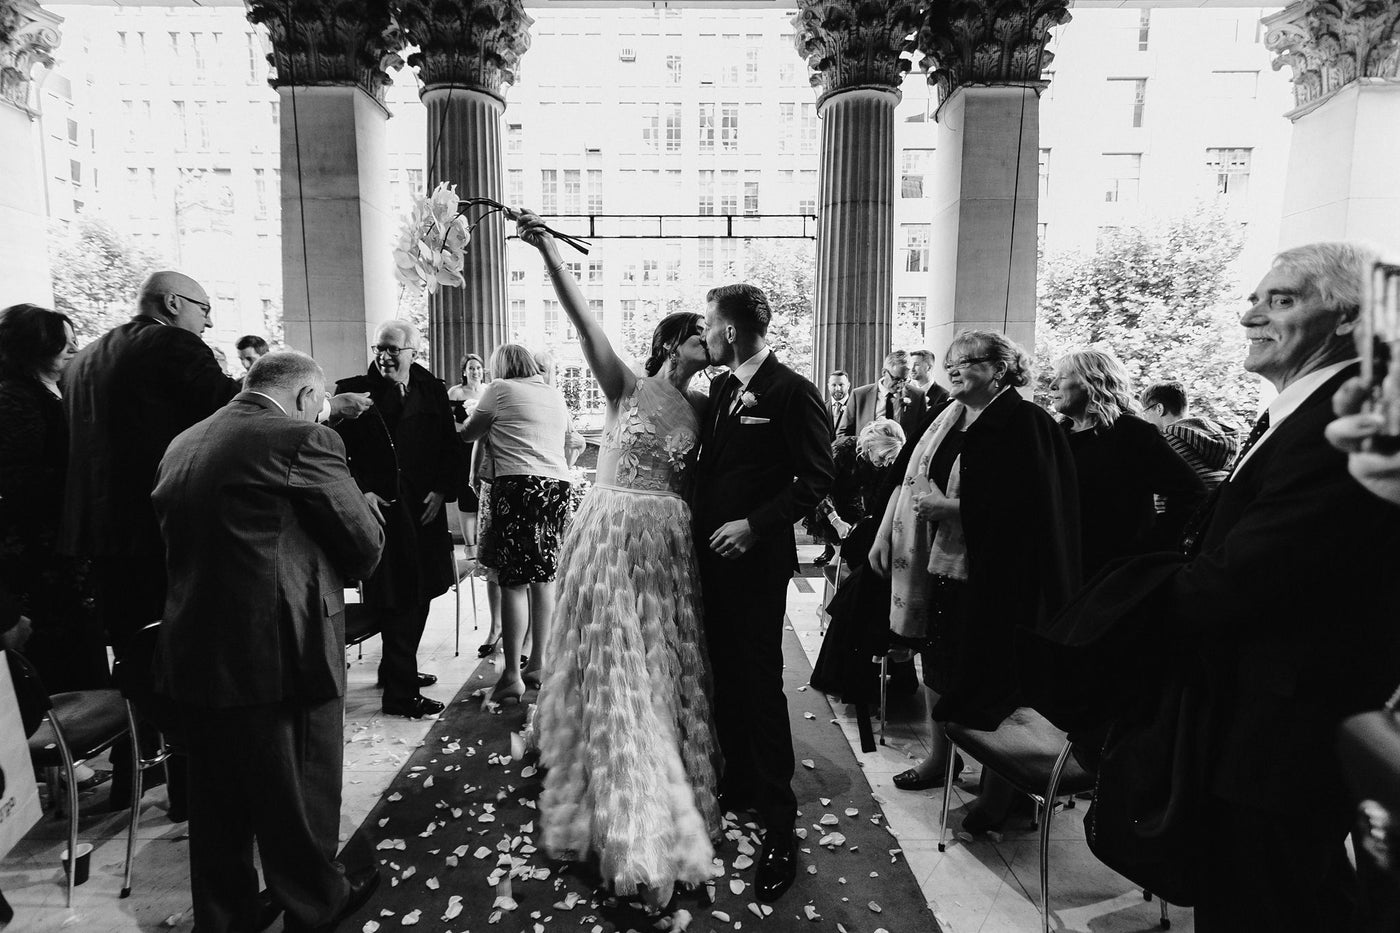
(432, 246)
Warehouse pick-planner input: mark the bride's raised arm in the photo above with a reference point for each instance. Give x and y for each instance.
(613, 375)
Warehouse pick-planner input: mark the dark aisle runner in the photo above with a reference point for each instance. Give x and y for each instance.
(457, 831)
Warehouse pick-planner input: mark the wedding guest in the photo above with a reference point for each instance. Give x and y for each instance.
(981, 536)
(819, 524)
(1121, 461)
(921, 377)
(574, 443)
(890, 397)
(526, 421)
(67, 648)
(1377, 470)
(250, 347)
(1206, 446)
(464, 397)
(404, 453)
(264, 526)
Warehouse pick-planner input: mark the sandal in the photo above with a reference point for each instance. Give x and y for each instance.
(532, 679)
(910, 780)
(488, 649)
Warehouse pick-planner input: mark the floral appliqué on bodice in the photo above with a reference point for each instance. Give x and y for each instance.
(650, 445)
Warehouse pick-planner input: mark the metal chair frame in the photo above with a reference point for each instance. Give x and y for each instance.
(458, 574)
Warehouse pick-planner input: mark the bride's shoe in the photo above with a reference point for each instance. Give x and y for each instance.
(532, 679)
(506, 692)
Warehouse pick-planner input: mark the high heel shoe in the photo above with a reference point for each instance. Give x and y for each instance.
(488, 649)
(503, 693)
(910, 780)
(532, 679)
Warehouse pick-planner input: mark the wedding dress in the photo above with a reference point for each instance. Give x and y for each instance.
(623, 719)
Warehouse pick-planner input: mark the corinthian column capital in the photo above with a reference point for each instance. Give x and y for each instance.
(28, 37)
(330, 42)
(474, 44)
(856, 43)
(988, 42)
(1331, 43)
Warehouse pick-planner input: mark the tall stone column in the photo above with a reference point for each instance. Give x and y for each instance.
(857, 53)
(28, 37)
(1342, 182)
(986, 57)
(468, 51)
(337, 228)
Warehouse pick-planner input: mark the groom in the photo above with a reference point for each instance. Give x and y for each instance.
(765, 461)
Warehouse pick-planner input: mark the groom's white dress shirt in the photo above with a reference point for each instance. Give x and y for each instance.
(744, 372)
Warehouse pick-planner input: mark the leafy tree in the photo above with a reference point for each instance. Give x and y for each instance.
(97, 273)
(1160, 297)
(785, 270)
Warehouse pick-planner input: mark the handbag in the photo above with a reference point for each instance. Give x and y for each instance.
(1368, 745)
(19, 792)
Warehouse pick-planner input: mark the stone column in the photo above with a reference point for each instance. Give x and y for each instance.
(337, 228)
(468, 51)
(28, 37)
(857, 52)
(1342, 181)
(985, 57)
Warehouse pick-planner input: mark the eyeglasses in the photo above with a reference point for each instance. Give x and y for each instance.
(390, 351)
(963, 364)
(204, 306)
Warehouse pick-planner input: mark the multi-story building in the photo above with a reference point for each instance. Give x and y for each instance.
(672, 117)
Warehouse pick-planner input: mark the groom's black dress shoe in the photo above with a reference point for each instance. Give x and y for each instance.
(414, 707)
(777, 866)
(267, 912)
(363, 884)
(424, 680)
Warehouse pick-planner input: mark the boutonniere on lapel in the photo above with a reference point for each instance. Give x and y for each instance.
(905, 400)
(748, 399)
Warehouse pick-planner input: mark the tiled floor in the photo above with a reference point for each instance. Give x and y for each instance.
(987, 885)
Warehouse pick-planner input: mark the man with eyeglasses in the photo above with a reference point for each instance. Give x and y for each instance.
(891, 396)
(404, 454)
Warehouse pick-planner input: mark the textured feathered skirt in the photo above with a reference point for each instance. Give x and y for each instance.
(623, 720)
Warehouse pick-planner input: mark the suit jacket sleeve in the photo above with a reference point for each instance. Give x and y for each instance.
(195, 375)
(447, 465)
(331, 505)
(846, 427)
(808, 443)
(1170, 477)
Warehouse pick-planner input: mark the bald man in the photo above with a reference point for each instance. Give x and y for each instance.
(127, 394)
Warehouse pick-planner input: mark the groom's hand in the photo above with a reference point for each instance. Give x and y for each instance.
(733, 539)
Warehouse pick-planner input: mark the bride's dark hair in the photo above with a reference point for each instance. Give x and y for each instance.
(674, 330)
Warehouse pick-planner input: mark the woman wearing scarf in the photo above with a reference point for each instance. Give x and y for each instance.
(981, 536)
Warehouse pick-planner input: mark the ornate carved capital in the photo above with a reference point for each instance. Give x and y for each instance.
(1331, 43)
(466, 43)
(335, 42)
(988, 42)
(28, 37)
(855, 43)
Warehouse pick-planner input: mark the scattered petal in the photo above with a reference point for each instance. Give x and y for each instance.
(808, 763)
(390, 844)
(736, 886)
(742, 862)
(811, 912)
(454, 907)
(874, 907)
(755, 910)
(720, 915)
(852, 812)
(410, 918)
(829, 819)
(370, 926)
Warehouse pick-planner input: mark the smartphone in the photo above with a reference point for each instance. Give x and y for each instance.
(1378, 344)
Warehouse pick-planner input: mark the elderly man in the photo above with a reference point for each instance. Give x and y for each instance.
(890, 397)
(263, 525)
(1265, 638)
(250, 347)
(404, 455)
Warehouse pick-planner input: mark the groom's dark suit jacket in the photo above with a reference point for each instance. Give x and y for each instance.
(770, 463)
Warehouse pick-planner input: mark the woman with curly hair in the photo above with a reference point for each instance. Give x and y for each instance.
(1122, 461)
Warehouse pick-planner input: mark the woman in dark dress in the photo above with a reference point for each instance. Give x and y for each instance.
(67, 646)
(981, 537)
(1122, 461)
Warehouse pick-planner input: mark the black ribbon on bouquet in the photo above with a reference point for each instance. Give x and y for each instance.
(511, 213)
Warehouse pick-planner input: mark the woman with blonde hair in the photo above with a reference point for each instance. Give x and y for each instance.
(1121, 460)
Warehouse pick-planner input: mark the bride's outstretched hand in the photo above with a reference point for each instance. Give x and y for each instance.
(531, 228)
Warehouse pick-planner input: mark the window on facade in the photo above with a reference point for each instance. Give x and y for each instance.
(807, 191)
(809, 127)
(787, 127)
(129, 121)
(787, 65)
(729, 192)
(651, 127)
(201, 124)
(729, 66)
(730, 262)
(915, 240)
(254, 57)
(707, 192)
(628, 309)
(551, 319)
(673, 261)
(1040, 231)
(75, 171)
(751, 193)
(182, 126)
(729, 127)
(673, 69)
(73, 131)
(517, 275)
(1234, 85)
(259, 194)
(915, 165)
(1229, 170)
(415, 182)
(1128, 97)
(707, 127)
(651, 271)
(752, 59)
(909, 317)
(1144, 25)
(594, 188)
(549, 191)
(629, 273)
(1044, 174)
(1122, 171)
(595, 270)
(201, 56)
(515, 138)
(705, 262)
(573, 191)
(673, 127)
(595, 308)
(517, 317)
(515, 185)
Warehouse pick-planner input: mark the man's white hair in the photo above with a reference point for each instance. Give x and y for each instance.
(405, 330)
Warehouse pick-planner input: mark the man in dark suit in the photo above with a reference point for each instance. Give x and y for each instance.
(405, 455)
(891, 396)
(765, 460)
(263, 526)
(1272, 629)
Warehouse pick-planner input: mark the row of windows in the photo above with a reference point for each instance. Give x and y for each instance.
(194, 125)
(191, 57)
(1227, 171)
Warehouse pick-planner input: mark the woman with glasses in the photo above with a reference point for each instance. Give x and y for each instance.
(980, 536)
(1122, 462)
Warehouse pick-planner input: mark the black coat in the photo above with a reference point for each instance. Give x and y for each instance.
(1020, 514)
(403, 450)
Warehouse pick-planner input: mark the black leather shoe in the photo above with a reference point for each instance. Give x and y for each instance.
(362, 887)
(824, 558)
(414, 707)
(777, 866)
(268, 912)
(424, 680)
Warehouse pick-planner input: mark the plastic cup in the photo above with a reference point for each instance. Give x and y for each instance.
(84, 857)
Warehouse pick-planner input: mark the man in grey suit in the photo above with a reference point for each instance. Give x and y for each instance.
(891, 396)
(263, 525)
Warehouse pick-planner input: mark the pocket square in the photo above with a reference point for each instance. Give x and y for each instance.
(749, 419)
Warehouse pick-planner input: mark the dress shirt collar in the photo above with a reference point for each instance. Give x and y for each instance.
(1287, 401)
(744, 372)
(269, 398)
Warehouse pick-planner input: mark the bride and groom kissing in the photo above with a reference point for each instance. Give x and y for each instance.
(663, 704)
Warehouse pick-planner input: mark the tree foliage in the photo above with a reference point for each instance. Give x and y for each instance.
(97, 273)
(1162, 297)
(785, 270)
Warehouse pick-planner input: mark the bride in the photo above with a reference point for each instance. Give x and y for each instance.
(624, 714)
